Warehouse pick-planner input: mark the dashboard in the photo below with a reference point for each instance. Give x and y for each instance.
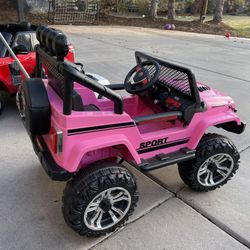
(169, 99)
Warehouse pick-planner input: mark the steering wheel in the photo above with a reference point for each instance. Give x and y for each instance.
(142, 77)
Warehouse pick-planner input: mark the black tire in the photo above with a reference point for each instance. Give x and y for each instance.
(34, 107)
(1, 104)
(83, 189)
(211, 145)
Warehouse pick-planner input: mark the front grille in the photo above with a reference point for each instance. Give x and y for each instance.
(203, 88)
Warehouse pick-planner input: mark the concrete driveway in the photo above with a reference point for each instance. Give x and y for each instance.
(169, 215)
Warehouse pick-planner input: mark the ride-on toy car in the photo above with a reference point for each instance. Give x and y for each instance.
(22, 39)
(85, 141)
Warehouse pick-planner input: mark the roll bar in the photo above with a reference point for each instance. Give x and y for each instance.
(74, 75)
(175, 70)
(70, 74)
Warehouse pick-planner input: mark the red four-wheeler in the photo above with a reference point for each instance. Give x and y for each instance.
(22, 39)
(86, 140)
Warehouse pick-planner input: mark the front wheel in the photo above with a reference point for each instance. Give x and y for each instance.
(216, 161)
(99, 199)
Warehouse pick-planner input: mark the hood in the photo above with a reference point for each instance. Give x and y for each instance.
(214, 98)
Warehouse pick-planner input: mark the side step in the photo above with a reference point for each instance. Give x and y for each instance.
(163, 160)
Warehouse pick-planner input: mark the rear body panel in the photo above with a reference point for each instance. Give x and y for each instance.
(91, 136)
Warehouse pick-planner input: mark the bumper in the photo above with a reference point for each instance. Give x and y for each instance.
(233, 127)
(53, 170)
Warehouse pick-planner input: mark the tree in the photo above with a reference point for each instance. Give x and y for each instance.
(218, 10)
(20, 10)
(107, 5)
(154, 8)
(171, 9)
(196, 6)
(203, 10)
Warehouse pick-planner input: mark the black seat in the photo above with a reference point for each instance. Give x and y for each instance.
(91, 107)
(77, 104)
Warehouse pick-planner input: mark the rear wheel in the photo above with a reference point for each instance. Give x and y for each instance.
(1, 104)
(217, 160)
(99, 199)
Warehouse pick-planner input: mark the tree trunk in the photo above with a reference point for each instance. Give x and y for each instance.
(171, 9)
(196, 6)
(203, 10)
(153, 8)
(20, 10)
(218, 11)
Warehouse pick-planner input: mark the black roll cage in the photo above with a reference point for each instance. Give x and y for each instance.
(53, 57)
(191, 78)
(71, 74)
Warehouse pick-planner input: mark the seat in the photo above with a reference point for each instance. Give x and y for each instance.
(77, 104)
(91, 107)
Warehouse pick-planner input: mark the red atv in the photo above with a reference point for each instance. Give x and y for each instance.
(22, 39)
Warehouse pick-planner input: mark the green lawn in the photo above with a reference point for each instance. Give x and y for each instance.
(241, 24)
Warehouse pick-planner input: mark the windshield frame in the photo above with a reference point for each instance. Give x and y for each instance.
(3, 50)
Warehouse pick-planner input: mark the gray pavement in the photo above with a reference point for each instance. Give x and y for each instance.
(30, 203)
(169, 215)
(173, 225)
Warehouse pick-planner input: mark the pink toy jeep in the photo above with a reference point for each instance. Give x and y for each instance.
(85, 140)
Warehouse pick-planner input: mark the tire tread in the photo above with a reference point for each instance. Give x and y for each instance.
(209, 144)
(90, 181)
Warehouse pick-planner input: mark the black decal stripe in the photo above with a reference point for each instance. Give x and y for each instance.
(169, 144)
(99, 128)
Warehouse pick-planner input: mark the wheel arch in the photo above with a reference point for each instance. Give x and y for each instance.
(88, 152)
(3, 85)
(230, 122)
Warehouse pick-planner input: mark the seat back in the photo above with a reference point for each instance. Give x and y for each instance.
(50, 55)
(51, 39)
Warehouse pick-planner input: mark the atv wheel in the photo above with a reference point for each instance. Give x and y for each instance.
(216, 161)
(99, 199)
(1, 104)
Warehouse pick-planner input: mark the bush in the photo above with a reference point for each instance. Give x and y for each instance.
(143, 6)
(122, 7)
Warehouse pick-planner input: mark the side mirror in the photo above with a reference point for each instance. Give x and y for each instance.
(20, 49)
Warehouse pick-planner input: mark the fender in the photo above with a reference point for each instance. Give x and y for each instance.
(82, 148)
(233, 127)
(6, 80)
(3, 85)
(227, 120)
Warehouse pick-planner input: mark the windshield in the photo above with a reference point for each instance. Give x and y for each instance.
(7, 36)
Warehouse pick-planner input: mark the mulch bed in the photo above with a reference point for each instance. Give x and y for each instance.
(8, 15)
(188, 26)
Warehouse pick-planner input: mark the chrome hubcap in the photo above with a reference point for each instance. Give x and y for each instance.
(107, 208)
(215, 169)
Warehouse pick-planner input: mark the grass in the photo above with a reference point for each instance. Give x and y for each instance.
(241, 24)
